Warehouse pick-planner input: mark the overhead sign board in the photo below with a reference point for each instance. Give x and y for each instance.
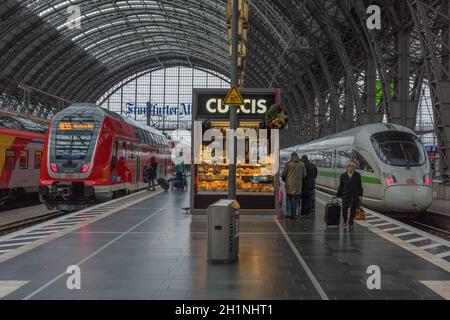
(432, 149)
(210, 103)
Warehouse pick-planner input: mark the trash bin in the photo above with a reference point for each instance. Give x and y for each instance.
(223, 231)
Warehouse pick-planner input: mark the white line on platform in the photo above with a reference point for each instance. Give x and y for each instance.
(443, 254)
(64, 223)
(403, 234)
(308, 271)
(24, 238)
(392, 229)
(416, 240)
(4, 251)
(41, 232)
(96, 252)
(374, 220)
(382, 224)
(14, 244)
(431, 246)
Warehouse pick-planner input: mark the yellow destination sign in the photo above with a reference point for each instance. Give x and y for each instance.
(234, 97)
(67, 126)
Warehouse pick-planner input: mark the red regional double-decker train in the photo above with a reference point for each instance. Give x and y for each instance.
(21, 142)
(92, 154)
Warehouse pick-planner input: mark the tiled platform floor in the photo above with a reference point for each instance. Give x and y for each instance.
(152, 250)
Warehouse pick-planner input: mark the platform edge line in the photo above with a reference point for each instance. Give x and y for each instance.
(305, 266)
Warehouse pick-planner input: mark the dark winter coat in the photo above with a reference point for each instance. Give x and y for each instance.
(150, 172)
(350, 190)
(309, 182)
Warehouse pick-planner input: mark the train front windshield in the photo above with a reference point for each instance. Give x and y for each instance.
(73, 142)
(400, 149)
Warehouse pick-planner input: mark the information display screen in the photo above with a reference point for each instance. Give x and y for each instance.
(69, 126)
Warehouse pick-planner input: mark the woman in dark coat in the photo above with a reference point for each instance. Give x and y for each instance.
(351, 192)
(150, 173)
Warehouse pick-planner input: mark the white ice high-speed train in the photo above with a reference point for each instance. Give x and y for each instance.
(395, 169)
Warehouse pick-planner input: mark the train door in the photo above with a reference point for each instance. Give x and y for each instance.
(138, 169)
(334, 181)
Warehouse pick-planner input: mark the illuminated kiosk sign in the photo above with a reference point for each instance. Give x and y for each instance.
(155, 110)
(208, 103)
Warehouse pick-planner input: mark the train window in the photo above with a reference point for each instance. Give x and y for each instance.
(148, 137)
(343, 158)
(10, 159)
(327, 159)
(114, 154)
(131, 153)
(74, 136)
(313, 158)
(152, 141)
(124, 150)
(23, 159)
(360, 162)
(399, 149)
(144, 136)
(37, 159)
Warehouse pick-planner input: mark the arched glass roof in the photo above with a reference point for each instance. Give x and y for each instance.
(317, 51)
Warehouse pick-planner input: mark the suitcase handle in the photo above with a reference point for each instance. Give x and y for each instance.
(335, 200)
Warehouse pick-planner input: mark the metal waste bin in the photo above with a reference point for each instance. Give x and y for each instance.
(223, 231)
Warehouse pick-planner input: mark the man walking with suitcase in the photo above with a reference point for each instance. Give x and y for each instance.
(351, 192)
(293, 175)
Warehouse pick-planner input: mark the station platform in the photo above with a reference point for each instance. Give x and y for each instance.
(440, 207)
(145, 246)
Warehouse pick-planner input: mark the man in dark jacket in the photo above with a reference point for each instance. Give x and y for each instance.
(308, 186)
(351, 192)
(150, 173)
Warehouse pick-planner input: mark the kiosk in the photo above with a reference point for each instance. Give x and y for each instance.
(257, 180)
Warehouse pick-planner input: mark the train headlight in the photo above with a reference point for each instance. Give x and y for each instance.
(390, 179)
(427, 180)
(53, 167)
(85, 167)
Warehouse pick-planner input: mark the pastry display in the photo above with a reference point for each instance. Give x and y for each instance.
(249, 178)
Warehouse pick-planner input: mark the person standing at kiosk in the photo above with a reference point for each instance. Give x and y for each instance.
(293, 175)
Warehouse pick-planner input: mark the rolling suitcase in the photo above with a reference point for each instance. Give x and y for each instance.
(163, 183)
(333, 213)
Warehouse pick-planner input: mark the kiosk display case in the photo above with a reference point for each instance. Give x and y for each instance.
(257, 168)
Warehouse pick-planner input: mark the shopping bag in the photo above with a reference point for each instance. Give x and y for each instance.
(280, 197)
(360, 215)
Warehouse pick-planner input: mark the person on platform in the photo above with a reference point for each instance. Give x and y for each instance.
(151, 173)
(351, 191)
(293, 175)
(308, 187)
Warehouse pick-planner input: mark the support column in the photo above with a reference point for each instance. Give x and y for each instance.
(349, 111)
(403, 109)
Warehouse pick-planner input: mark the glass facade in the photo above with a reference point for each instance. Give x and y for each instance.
(162, 98)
